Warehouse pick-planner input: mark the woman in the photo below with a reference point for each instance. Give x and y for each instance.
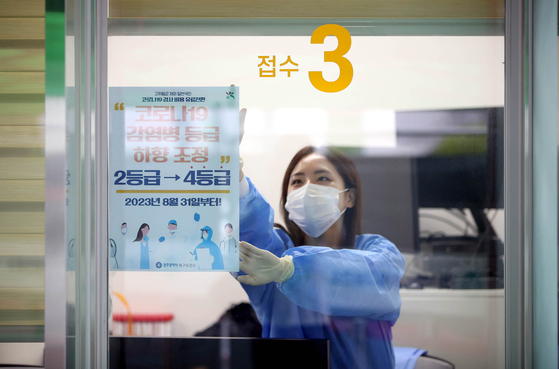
(143, 238)
(331, 282)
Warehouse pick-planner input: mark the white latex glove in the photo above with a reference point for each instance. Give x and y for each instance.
(262, 266)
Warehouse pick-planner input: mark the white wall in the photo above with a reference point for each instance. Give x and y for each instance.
(465, 327)
(197, 300)
(285, 114)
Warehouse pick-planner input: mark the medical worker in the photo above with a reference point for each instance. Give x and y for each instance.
(228, 244)
(143, 238)
(319, 277)
(173, 245)
(207, 243)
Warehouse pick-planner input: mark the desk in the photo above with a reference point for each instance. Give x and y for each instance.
(465, 327)
(217, 353)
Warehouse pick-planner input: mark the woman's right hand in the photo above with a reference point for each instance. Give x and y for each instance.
(263, 267)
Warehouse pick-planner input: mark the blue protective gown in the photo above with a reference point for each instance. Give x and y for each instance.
(214, 249)
(349, 296)
(144, 253)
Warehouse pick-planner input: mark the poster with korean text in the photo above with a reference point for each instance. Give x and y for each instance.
(174, 178)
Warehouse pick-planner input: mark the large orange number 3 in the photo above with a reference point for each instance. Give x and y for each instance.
(334, 56)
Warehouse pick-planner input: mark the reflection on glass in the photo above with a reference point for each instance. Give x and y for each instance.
(441, 180)
(72, 219)
(419, 127)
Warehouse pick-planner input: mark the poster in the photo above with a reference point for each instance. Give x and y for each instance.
(174, 178)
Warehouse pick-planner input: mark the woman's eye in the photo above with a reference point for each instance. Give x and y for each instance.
(296, 181)
(321, 179)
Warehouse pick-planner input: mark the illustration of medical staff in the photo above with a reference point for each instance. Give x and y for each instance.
(172, 247)
(143, 238)
(228, 244)
(113, 249)
(172, 227)
(192, 237)
(70, 260)
(201, 251)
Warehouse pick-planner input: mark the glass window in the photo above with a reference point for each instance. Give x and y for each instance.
(416, 105)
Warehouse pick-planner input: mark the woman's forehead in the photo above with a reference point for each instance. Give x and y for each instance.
(313, 162)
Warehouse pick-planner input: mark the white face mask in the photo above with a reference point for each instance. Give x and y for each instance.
(314, 208)
(124, 230)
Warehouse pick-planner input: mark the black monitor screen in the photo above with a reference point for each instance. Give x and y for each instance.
(461, 165)
(451, 182)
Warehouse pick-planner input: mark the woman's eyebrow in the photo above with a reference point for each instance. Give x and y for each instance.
(319, 171)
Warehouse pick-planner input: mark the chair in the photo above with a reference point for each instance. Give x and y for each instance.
(430, 362)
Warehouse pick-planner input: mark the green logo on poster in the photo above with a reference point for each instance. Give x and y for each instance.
(230, 95)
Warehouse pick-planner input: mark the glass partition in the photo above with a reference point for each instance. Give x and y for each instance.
(416, 105)
(362, 164)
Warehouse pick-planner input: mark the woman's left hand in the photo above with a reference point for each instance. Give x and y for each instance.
(262, 266)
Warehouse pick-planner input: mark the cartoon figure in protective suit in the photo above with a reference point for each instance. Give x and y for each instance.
(207, 253)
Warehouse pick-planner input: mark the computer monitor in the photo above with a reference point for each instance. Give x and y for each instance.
(464, 169)
(389, 199)
(443, 159)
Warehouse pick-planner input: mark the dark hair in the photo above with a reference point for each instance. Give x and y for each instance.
(123, 224)
(346, 169)
(140, 235)
(228, 225)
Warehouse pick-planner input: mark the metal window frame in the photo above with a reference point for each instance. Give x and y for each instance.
(91, 19)
(518, 200)
(86, 21)
(530, 222)
(544, 184)
(55, 186)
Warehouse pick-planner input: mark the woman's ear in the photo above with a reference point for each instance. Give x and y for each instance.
(350, 198)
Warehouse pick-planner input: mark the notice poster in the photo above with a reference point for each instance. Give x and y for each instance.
(174, 178)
